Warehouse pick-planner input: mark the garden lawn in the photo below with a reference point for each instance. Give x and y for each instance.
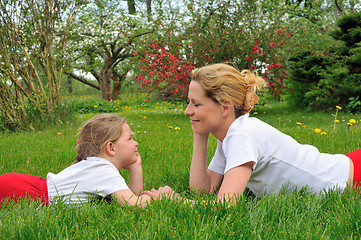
(165, 144)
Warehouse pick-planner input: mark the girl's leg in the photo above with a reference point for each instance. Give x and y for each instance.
(18, 186)
(355, 156)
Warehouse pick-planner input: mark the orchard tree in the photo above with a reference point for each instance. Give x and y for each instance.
(104, 40)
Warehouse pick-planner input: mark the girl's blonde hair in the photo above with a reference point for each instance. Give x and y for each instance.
(222, 81)
(96, 133)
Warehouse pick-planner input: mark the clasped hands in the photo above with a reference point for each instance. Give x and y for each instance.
(162, 192)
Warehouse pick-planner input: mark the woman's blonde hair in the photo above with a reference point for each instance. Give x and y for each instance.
(222, 81)
(96, 133)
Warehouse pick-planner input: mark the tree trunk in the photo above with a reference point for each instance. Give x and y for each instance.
(70, 85)
(117, 85)
(131, 6)
(149, 9)
(105, 87)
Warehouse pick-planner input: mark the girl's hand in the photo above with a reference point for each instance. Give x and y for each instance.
(166, 192)
(136, 164)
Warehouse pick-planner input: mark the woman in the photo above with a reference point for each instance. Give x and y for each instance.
(250, 153)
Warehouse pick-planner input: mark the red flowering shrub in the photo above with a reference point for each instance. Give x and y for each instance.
(165, 72)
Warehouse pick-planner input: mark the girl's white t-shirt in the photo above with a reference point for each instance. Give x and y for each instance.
(80, 182)
(280, 162)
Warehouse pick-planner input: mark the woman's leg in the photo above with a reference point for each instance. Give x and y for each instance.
(355, 156)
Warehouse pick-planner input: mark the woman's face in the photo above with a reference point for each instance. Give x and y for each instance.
(205, 114)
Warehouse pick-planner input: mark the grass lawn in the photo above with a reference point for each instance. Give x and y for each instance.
(165, 143)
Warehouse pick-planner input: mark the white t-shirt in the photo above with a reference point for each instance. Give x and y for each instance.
(80, 182)
(280, 162)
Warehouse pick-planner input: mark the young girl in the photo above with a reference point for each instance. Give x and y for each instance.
(250, 153)
(105, 146)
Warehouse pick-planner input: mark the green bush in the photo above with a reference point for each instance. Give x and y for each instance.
(94, 105)
(37, 117)
(349, 32)
(320, 82)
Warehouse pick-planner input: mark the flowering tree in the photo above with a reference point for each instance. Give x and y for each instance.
(102, 46)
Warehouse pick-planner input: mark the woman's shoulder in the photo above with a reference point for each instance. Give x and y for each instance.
(246, 123)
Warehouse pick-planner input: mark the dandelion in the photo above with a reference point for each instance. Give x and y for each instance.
(170, 127)
(338, 107)
(323, 133)
(298, 123)
(337, 121)
(317, 130)
(352, 121)
(255, 113)
(95, 106)
(145, 117)
(58, 133)
(177, 128)
(350, 124)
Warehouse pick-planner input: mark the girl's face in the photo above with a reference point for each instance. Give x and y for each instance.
(126, 148)
(205, 114)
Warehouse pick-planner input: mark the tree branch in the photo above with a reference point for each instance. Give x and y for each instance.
(339, 9)
(130, 40)
(82, 79)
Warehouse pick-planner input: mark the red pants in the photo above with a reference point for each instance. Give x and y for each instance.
(355, 156)
(17, 186)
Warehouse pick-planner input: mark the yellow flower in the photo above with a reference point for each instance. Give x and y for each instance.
(170, 127)
(323, 133)
(95, 106)
(339, 107)
(317, 130)
(337, 121)
(352, 121)
(298, 123)
(58, 133)
(255, 113)
(350, 124)
(177, 128)
(145, 117)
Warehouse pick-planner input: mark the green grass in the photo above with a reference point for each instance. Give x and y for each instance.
(166, 154)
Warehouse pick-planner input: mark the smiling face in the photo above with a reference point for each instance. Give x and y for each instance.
(125, 147)
(205, 114)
